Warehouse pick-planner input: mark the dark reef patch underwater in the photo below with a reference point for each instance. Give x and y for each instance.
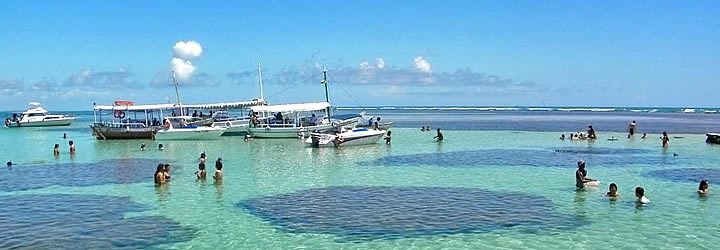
(112, 171)
(554, 157)
(60, 221)
(366, 213)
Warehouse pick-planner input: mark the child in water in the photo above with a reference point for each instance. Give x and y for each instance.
(703, 188)
(56, 150)
(613, 191)
(72, 147)
(640, 194)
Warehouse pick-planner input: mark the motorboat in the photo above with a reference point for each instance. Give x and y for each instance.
(350, 137)
(37, 116)
(713, 138)
(368, 121)
(180, 128)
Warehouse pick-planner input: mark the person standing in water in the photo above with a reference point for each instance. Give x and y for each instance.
(591, 133)
(439, 136)
(56, 150)
(631, 129)
(166, 171)
(72, 147)
(703, 187)
(202, 158)
(581, 175)
(159, 174)
(218, 170)
(388, 138)
(665, 140)
(201, 173)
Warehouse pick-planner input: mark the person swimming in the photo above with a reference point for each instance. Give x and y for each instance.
(562, 137)
(218, 170)
(201, 173)
(703, 187)
(9, 163)
(160, 146)
(142, 147)
(665, 140)
(439, 136)
(387, 137)
(159, 176)
(246, 138)
(640, 194)
(56, 149)
(581, 178)
(612, 191)
(644, 136)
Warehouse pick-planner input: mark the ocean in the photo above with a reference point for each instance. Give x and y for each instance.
(501, 179)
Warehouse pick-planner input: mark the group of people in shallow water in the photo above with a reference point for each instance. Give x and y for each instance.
(162, 172)
(582, 181)
(632, 128)
(438, 137)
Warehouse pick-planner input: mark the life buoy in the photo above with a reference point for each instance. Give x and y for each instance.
(119, 114)
(335, 124)
(227, 124)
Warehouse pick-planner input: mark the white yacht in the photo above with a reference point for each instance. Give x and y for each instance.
(180, 128)
(350, 137)
(37, 116)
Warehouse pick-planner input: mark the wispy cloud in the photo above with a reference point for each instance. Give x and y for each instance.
(12, 87)
(92, 80)
(164, 79)
(242, 76)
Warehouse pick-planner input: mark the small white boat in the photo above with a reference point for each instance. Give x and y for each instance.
(179, 128)
(353, 137)
(688, 110)
(37, 116)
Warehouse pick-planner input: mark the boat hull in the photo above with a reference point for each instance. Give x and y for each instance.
(362, 138)
(45, 123)
(290, 132)
(189, 134)
(713, 138)
(122, 133)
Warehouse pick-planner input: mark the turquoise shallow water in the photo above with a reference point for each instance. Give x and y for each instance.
(477, 189)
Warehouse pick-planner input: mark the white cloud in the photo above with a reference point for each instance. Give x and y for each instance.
(422, 65)
(380, 63)
(183, 52)
(187, 50)
(183, 69)
(365, 65)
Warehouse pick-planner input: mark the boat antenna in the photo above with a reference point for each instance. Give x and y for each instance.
(260, 81)
(177, 93)
(327, 95)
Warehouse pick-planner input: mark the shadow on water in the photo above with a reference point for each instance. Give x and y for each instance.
(356, 213)
(113, 171)
(83, 222)
(687, 174)
(556, 157)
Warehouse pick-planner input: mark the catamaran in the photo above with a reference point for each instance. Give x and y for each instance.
(37, 116)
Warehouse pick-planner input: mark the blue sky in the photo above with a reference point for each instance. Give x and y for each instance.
(69, 54)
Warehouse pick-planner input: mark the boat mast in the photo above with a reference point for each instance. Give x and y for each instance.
(327, 95)
(177, 94)
(260, 81)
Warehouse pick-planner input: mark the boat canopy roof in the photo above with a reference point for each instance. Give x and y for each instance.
(222, 105)
(296, 107)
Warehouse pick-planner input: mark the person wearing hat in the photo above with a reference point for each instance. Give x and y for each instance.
(218, 170)
(581, 178)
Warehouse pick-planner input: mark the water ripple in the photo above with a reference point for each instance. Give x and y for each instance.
(82, 222)
(367, 213)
